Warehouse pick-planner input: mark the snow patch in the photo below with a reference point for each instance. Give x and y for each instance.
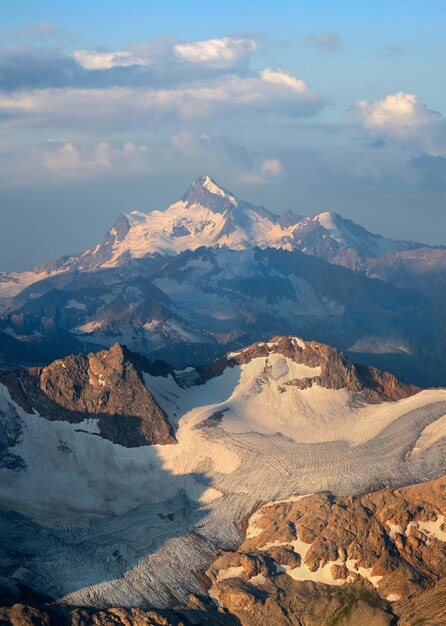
(230, 572)
(259, 579)
(74, 304)
(394, 529)
(431, 434)
(297, 341)
(435, 529)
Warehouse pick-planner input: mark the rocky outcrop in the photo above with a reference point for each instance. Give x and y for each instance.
(427, 608)
(28, 615)
(337, 372)
(379, 558)
(32, 610)
(106, 386)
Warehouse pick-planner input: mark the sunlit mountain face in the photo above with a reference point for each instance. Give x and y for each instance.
(222, 314)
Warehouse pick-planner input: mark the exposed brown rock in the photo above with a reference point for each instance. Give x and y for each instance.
(337, 372)
(385, 554)
(395, 535)
(427, 608)
(285, 555)
(120, 617)
(288, 603)
(106, 385)
(46, 615)
(24, 615)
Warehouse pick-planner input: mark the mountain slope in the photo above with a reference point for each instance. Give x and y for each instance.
(199, 304)
(376, 559)
(423, 269)
(89, 521)
(341, 241)
(232, 293)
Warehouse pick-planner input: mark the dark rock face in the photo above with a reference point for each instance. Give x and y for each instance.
(106, 385)
(10, 431)
(423, 270)
(20, 606)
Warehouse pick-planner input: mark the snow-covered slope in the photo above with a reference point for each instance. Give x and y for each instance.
(199, 304)
(209, 215)
(94, 522)
(341, 241)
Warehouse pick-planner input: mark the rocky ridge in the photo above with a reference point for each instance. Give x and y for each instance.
(337, 371)
(106, 386)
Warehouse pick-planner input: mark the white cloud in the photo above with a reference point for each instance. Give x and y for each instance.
(69, 161)
(66, 158)
(91, 60)
(268, 171)
(217, 153)
(397, 114)
(403, 118)
(272, 168)
(223, 52)
(284, 79)
(126, 107)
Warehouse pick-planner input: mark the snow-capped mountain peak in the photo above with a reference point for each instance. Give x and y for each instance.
(205, 192)
(341, 241)
(206, 215)
(328, 219)
(211, 216)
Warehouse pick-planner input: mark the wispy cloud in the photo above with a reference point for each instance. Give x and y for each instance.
(267, 171)
(44, 31)
(70, 161)
(226, 53)
(323, 42)
(163, 62)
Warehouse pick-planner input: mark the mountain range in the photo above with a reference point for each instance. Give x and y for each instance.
(209, 215)
(218, 416)
(213, 272)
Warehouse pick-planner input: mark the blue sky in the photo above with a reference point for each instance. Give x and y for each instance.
(112, 106)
